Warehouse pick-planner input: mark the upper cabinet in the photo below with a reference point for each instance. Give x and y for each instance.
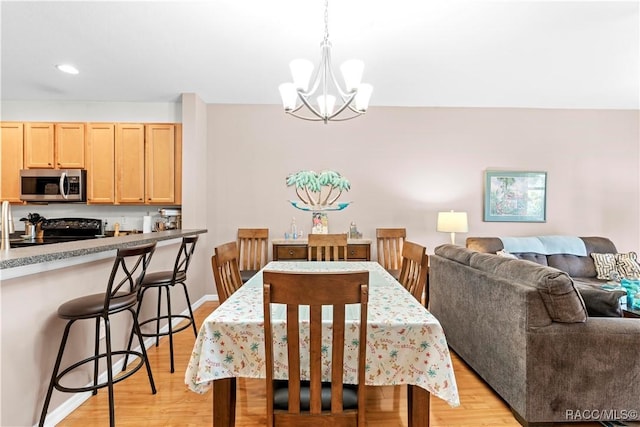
(100, 163)
(39, 145)
(11, 157)
(126, 163)
(160, 161)
(69, 146)
(54, 146)
(130, 163)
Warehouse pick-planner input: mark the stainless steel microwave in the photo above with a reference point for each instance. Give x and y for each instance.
(53, 185)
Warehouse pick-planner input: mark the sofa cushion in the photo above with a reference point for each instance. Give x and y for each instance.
(573, 265)
(600, 302)
(454, 252)
(561, 299)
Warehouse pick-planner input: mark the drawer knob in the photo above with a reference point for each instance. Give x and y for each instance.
(352, 252)
(290, 252)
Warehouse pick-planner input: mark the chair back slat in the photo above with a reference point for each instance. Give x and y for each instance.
(226, 272)
(252, 248)
(315, 290)
(415, 267)
(390, 243)
(327, 247)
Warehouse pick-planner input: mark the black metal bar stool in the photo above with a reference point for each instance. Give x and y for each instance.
(121, 295)
(166, 280)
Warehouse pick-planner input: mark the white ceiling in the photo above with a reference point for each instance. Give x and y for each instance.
(547, 54)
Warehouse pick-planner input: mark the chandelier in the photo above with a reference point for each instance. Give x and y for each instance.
(354, 97)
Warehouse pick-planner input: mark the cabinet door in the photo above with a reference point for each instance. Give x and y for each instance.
(160, 164)
(129, 163)
(69, 145)
(11, 156)
(39, 145)
(178, 173)
(100, 163)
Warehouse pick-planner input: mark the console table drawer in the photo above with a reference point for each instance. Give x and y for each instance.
(290, 252)
(298, 251)
(358, 252)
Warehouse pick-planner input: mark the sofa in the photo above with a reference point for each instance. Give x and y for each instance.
(580, 267)
(524, 329)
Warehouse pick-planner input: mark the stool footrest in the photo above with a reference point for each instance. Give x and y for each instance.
(173, 330)
(116, 378)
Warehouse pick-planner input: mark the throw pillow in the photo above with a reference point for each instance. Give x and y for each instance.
(628, 267)
(605, 265)
(628, 255)
(506, 254)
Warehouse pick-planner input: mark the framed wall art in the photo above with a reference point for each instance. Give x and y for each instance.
(511, 196)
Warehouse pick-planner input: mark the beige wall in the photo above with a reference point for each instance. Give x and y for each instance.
(406, 164)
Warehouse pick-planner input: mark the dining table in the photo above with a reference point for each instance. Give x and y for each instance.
(406, 344)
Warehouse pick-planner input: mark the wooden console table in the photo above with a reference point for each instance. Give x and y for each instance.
(296, 249)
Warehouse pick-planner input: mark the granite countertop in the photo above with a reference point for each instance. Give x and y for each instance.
(19, 257)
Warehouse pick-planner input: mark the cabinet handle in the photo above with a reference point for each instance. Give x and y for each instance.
(290, 252)
(352, 252)
(48, 164)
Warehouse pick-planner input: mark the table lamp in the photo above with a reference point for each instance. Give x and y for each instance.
(452, 222)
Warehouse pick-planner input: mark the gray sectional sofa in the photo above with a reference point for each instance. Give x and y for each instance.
(523, 327)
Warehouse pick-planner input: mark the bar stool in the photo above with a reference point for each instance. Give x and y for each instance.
(121, 295)
(165, 280)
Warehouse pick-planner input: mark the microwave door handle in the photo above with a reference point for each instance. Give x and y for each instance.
(63, 184)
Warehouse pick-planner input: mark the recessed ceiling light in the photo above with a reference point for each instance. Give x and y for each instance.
(67, 68)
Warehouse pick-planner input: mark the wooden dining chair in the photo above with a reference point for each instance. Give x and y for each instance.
(315, 401)
(226, 272)
(390, 243)
(415, 267)
(327, 247)
(252, 251)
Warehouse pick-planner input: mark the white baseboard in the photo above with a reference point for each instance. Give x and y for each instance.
(72, 403)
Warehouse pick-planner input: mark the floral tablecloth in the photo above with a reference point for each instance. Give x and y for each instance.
(405, 343)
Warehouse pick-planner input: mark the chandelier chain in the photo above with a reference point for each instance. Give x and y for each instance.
(326, 20)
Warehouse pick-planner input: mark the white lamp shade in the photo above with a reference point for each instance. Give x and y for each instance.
(352, 73)
(326, 105)
(363, 96)
(301, 70)
(452, 222)
(289, 95)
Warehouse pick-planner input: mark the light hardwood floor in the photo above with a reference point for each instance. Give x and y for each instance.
(175, 405)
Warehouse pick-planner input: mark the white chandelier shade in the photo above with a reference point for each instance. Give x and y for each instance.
(322, 95)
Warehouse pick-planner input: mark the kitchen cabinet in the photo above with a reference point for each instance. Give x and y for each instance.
(54, 145)
(290, 250)
(160, 155)
(69, 145)
(39, 145)
(178, 166)
(100, 161)
(126, 163)
(148, 159)
(11, 158)
(129, 152)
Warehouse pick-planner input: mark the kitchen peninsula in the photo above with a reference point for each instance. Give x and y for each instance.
(34, 282)
(22, 257)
